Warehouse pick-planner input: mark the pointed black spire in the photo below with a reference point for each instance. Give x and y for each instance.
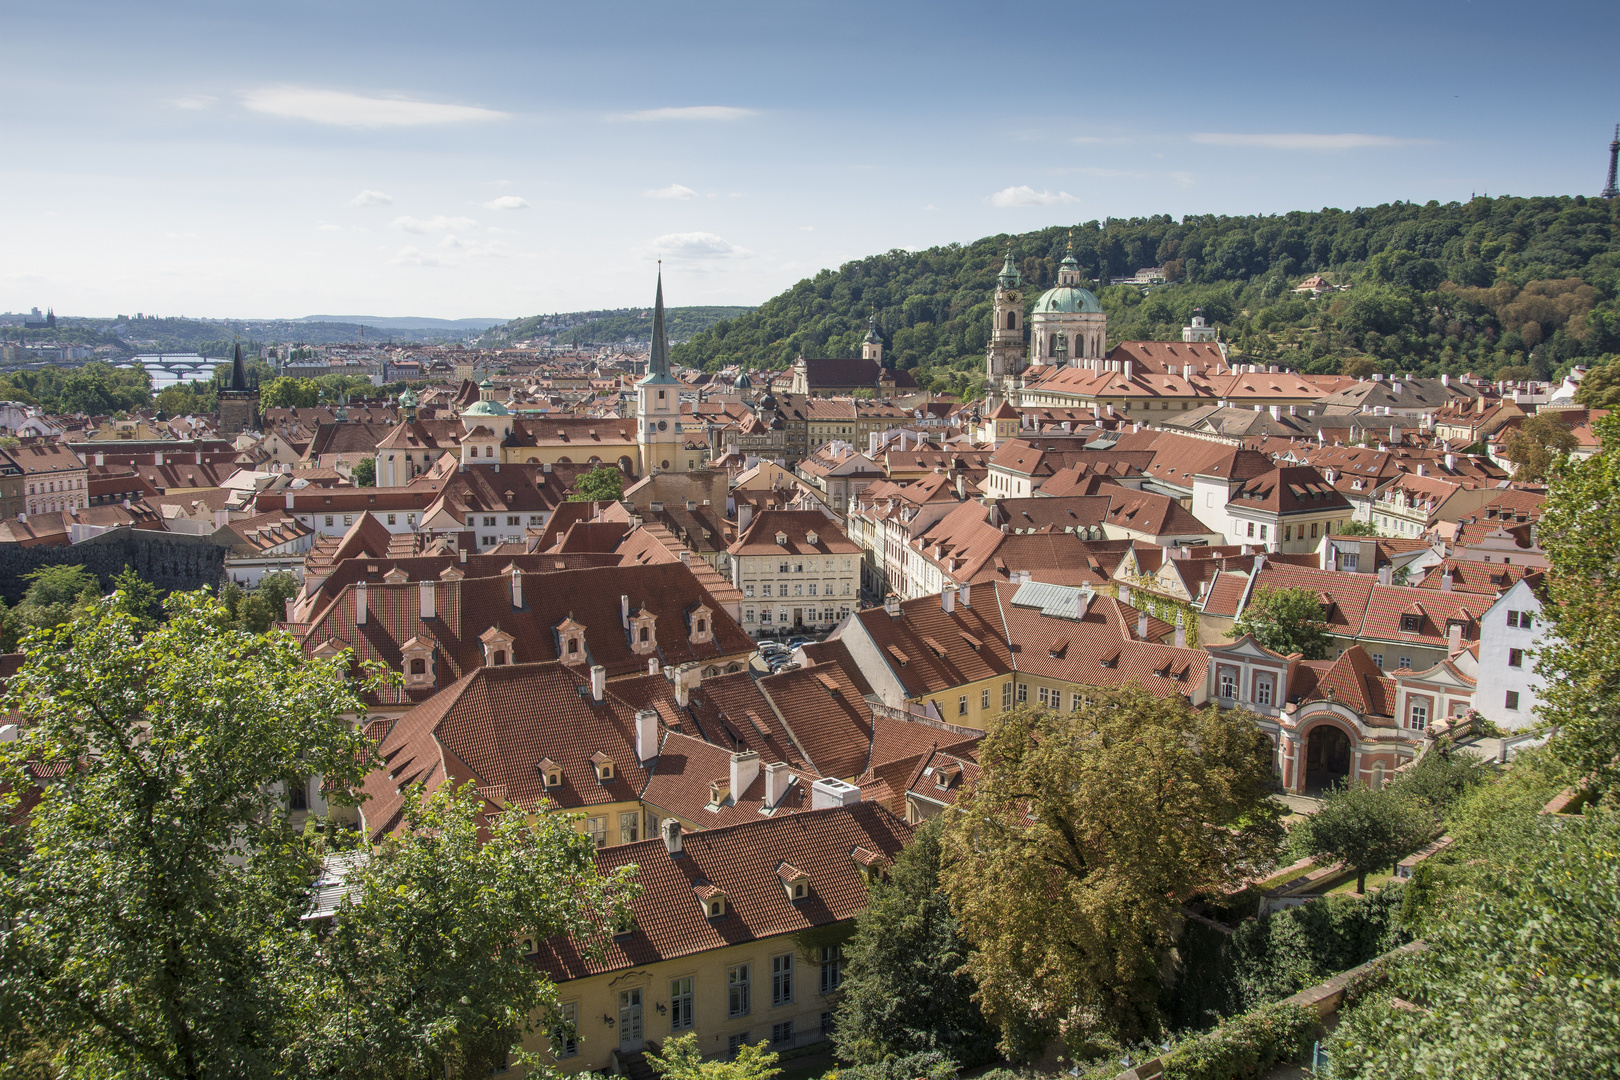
(238, 372)
(658, 364)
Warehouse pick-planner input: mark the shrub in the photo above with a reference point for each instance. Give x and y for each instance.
(1246, 1045)
(932, 1065)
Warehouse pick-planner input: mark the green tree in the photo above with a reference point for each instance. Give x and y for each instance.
(604, 484)
(681, 1059)
(288, 392)
(157, 863)
(1580, 658)
(54, 593)
(423, 973)
(1365, 828)
(1359, 367)
(1285, 621)
(1355, 528)
(365, 472)
(1535, 443)
(906, 989)
(1067, 862)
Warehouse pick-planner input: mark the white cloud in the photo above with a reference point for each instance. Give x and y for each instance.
(371, 198)
(343, 109)
(507, 202)
(436, 223)
(694, 246)
(674, 191)
(807, 228)
(1024, 195)
(1302, 141)
(194, 101)
(1182, 179)
(689, 112)
(414, 256)
(328, 228)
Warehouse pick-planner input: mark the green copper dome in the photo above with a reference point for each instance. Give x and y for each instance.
(486, 408)
(1068, 299)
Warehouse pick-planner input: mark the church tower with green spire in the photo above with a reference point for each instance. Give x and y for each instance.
(1005, 355)
(658, 403)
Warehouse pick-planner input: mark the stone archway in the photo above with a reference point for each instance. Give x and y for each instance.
(1326, 758)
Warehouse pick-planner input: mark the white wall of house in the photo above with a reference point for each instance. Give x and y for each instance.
(1508, 693)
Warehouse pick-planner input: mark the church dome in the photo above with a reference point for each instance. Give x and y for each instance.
(1068, 300)
(486, 408)
(742, 381)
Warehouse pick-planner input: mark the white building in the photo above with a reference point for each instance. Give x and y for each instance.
(1510, 635)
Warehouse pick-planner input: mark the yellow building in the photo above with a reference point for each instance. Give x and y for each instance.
(736, 936)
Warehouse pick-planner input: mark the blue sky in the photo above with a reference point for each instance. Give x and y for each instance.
(504, 159)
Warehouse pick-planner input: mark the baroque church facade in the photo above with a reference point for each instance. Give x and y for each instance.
(1067, 328)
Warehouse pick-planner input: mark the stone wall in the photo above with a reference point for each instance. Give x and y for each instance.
(171, 561)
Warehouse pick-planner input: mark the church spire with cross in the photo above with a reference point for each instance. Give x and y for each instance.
(658, 362)
(658, 403)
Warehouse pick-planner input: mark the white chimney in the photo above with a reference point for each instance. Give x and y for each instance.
(1446, 581)
(745, 515)
(101, 459)
(776, 782)
(624, 611)
(1454, 638)
(1276, 412)
(646, 735)
(1451, 462)
(429, 610)
(199, 457)
(947, 600)
(672, 837)
(744, 768)
(598, 682)
(1124, 593)
(517, 586)
(1141, 625)
(1386, 575)
(962, 594)
(289, 500)
(828, 793)
(157, 458)
(891, 605)
(652, 665)
(360, 603)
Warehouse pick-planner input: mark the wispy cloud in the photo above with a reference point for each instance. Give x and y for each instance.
(674, 191)
(372, 198)
(194, 101)
(507, 202)
(414, 256)
(1302, 140)
(1183, 179)
(328, 228)
(1024, 195)
(344, 109)
(694, 246)
(436, 223)
(687, 112)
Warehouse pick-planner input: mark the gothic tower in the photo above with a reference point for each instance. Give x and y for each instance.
(1004, 356)
(658, 403)
(238, 406)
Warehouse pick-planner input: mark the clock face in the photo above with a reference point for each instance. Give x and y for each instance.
(1014, 296)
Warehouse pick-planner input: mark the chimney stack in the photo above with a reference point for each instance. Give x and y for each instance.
(745, 516)
(646, 735)
(652, 665)
(517, 585)
(1141, 625)
(776, 782)
(963, 595)
(829, 793)
(672, 838)
(157, 458)
(891, 605)
(947, 600)
(360, 603)
(1446, 580)
(744, 768)
(101, 459)
(624, 611)
(1386, 576)
(429, 609)
(1454, 638)
(1124, 593)
(598, 682)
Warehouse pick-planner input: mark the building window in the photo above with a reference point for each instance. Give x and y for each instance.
(782, 1033)
(782, 980)
(748, 591)
(765, 590)
(1513, 616)
(1228, 684)
(748, 615)
(1378, 658)
(1262, 689)
(391, 518)
(734, 1043)
(1006, 695)
(596, 827)
(1513, 700)
(737, 991)
(826, 1024)
(348, 519)
(1074, 702)
(961, 705)
(984, 699)
(1262, 532)
(680, 1004)
(1515, 658)
(513, 519)
(1023, 693)
(1406, 662)
(1418, 715)
(628, 824)
(832, 968)
(1251, 529)
(565, 1036)
(1288, 532)
(328, 520)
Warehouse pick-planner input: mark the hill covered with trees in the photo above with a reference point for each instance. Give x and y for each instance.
(1521, 285)
(605, 327)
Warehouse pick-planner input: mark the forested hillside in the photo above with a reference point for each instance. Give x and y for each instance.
(604, 327)
(1517, 283)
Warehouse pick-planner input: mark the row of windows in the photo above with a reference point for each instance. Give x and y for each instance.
(782, 615)
(46, 488)
(799, 567)
(798, 590)
(682, 999)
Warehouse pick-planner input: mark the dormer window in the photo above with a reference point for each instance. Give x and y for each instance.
(1411, 624)
(812, 539)
(570, 641)
(702, 623)
(497, 645)
(795, 882)
(714, 900)
(550, 774)
(603, 766)
(416, 657)
(781, 539)
(643, 632)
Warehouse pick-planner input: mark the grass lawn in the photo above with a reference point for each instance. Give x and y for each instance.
(1374, 881)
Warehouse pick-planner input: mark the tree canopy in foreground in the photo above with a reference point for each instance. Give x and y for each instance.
(1067, 862)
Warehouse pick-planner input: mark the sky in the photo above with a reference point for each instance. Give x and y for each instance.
(223, 159)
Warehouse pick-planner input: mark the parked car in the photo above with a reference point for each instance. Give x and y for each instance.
(767, 648)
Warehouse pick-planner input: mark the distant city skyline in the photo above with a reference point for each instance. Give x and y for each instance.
(507, 160)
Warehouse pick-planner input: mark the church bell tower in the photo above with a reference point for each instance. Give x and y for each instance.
(658, 403)
(1005, 355)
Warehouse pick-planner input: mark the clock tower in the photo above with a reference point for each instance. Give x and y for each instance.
(658, 403)
(1005, 355)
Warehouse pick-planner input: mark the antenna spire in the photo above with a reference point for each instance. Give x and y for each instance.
(1610, 190)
